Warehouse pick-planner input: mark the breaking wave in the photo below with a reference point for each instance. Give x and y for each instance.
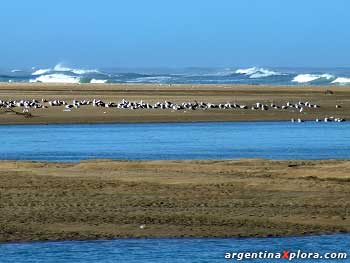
(305, 78)
(56, 78)
(63, 74)
(98, 81)
(341, 81)
(41, 72)
(59, 68)
(255, 72)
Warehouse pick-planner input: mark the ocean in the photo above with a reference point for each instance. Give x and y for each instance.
(250, 75)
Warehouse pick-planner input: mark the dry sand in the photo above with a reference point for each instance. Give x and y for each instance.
(176, 94)
(107, 199)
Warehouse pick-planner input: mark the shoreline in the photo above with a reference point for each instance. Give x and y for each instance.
(146, 122)
(105, 199)
(161, 238)
(242, 94)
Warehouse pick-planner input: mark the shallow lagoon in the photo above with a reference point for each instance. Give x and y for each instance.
(171, 250)
(274, 140)
(215, 140)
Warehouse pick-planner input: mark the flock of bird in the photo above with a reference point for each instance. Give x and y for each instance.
(326, 119)
(126, 104)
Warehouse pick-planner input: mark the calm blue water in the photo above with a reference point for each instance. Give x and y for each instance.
(171, 250)
(273, 140)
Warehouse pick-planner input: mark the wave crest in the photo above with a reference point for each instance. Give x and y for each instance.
(305, 78)
(98, 81)
(56, 78)
(41, 72)
(341, 81)
(255, 72)
(59, 68)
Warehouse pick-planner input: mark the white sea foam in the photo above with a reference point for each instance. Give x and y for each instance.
(16, 70)
(60, 68)
(305, 78)
(41, 71)
(341, 80)
(246, 71)
(255, 72)
(56, 78)
(98, 81)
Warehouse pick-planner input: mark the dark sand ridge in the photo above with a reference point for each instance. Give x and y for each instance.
(108, 199)
(177, 94)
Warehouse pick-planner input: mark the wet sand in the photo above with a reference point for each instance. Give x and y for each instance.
(177, 94)
(109, 199)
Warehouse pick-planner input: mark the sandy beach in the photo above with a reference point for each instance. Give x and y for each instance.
(175, 93)
(108, 199)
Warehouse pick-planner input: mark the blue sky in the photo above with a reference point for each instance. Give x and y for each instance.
(181, 33)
